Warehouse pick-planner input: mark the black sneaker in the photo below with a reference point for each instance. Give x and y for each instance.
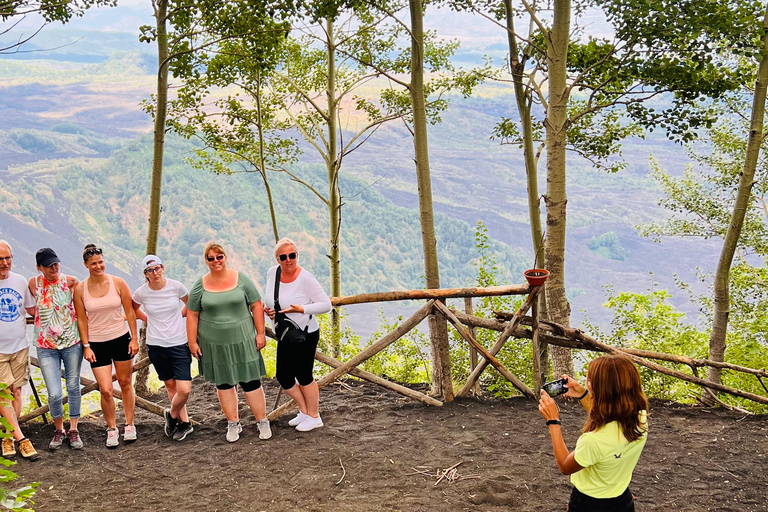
(183, 429)
(170, 423)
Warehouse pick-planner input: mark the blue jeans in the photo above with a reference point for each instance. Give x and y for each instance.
(50, 365)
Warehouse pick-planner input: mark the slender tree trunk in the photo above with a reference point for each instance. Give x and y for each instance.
(556, 125)
(517, 68)
(441, 363)
(334, 196)
(161, 8)
(743, 196)
(161, 11)
(262, 158)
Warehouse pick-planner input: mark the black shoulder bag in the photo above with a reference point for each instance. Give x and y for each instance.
(286, 329)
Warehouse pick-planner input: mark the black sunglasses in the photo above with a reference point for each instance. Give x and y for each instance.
(218, 257)
(291, 255)
(93, 251)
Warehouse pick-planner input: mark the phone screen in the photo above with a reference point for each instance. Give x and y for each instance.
(556, 387)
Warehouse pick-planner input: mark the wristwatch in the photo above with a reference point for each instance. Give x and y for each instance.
(86, 345)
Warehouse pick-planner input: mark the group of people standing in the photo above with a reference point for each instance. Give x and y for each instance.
(220, 321)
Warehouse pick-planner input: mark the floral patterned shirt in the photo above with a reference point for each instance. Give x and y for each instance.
(55, 321)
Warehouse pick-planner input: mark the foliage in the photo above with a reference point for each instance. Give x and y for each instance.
(608, 246)
(647, 321)
(18, 499)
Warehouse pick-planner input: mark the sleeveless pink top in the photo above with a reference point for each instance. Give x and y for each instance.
(105, 314)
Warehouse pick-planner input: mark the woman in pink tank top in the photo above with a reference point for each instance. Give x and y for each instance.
(103, 304)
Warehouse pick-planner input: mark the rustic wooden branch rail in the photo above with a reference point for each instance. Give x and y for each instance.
(443, 293)
(574, 338)
(90, 386)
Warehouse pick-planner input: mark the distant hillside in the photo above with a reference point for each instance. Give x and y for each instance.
(107, 202)
(82, 112)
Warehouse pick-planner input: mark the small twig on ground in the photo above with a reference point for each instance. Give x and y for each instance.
(449, 474)
(344, 472)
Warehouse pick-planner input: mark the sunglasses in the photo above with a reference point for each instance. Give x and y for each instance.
(291, 255)
(218, 257)
(93, 251)
(153, 270)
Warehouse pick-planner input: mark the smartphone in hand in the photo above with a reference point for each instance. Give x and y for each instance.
(556, 387)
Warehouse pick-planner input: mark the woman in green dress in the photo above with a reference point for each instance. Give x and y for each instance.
(225, 329)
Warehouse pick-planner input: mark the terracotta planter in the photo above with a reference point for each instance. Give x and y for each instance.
(536, 276)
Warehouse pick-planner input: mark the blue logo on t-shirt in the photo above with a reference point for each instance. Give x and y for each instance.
(11, 305)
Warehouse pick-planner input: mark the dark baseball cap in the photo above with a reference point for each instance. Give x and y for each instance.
(46, 257)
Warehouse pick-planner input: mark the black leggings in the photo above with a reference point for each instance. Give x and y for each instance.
(247, 387)
(295, 361)
(580, 502)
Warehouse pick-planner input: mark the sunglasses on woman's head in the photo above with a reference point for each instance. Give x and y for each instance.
(93, 251)
(291, 255)
(218, 257)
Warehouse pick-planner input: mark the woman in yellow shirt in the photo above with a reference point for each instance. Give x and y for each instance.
(612, 440)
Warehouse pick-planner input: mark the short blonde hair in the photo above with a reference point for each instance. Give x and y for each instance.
(283, 242)
(213, 246)
(10, 249)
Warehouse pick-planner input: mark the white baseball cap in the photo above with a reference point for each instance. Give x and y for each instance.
(150, 260)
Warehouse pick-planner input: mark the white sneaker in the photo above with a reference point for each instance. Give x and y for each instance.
(113, 438)
(309, 424)
(233, 431)
(129, 434)
(298, 419)
(265, 432)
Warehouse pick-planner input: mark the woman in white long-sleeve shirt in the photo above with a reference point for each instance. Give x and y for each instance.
(301, 298)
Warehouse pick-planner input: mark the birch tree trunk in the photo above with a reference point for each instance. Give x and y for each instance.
(556, 126)
(334, 196)
(717, 339)
(438, 329)
(517, 68)
(161, 15)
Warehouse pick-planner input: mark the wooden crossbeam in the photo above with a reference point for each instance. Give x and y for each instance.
(441, 293)
(370, 377)
(369, 352)
(511, 377)
(89, 386)
(508, 331)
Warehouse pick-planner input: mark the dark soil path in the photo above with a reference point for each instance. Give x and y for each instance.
(391, 450)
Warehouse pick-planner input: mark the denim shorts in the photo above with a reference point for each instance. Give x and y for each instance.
(171, 362)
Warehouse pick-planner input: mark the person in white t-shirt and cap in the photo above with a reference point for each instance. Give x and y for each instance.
(161, 304)
(15, 302)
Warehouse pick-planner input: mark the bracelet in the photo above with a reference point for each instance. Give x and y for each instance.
(553, 422)
(586, 392)
(86, 345)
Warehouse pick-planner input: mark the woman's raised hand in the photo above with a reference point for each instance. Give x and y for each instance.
(548, 407)
(575, 390)
(295, 308)
(270, 312)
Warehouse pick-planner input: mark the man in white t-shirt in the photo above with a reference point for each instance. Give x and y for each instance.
(15, 302)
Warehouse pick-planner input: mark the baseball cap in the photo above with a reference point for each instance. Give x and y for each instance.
(46, 257)
(150, 260)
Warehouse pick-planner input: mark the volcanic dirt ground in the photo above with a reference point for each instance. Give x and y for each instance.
(379, 451)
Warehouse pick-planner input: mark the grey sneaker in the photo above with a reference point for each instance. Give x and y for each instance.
(170, 423)
(58, 440)
(265, 432)
(129, 434)
(113, 438)
(74, 439)
(233, 431)
(182, 430)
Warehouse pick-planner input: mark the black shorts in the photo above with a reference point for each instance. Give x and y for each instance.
(580, 502)
(295, 361)
(171, 362)
(112, 350)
